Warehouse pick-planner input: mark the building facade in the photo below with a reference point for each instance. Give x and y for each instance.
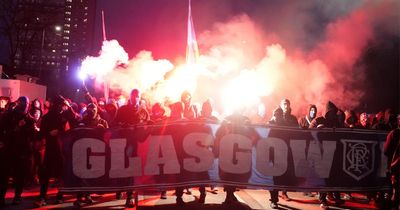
(48, 38)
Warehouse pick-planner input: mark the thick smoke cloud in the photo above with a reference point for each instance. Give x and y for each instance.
(310, 54)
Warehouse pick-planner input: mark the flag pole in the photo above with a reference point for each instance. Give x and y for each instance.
(103, 25)
(192, 50)
(106, 88)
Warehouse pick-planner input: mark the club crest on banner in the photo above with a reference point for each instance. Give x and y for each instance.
(358, 157)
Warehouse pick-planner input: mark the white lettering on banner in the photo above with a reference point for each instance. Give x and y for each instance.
(197, 145)
(118, 169)
(317, 160)
(278, 165)
(164, 146)
(231, 161)
(311, 158)
(88, 166)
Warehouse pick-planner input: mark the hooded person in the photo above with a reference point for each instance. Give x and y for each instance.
(288, 118)
(351, 119)
(277, 117)
(16, 148)
(207, 112)
(305, 122)
(158, 113)
(129, 115)
(329, 120)
(189, 110)
(59, 119)
(132, 113)
(92, 119)
(176, 111)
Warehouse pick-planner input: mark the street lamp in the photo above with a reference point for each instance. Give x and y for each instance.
(57, 28)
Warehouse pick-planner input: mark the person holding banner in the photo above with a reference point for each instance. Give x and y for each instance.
(17, 129)
(90, 119)
(59, 119)
(331, 119)
(207, 116)
(306, 121)
(282, 116)
(131, 114)
(392, 151)
(235, 124)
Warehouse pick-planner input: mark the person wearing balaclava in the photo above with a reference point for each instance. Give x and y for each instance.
(132, 113)
(90, 119)
(17, 129)
(305, 122)
(59, 119)
(331, 119)
(189, 110)
(282, 116)
(128, 115)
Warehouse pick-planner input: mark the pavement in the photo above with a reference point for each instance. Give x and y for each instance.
(248, 199)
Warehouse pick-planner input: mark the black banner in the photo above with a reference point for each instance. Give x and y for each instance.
(193, 154)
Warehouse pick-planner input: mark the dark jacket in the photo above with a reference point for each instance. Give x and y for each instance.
(392, 151)
(130, 115)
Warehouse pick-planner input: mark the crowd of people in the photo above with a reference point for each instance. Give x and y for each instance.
(30, 145)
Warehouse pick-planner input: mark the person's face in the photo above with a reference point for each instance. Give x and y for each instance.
(187, 99)
(36, 104)
(363, 119)
(313, 112)
(91, 112)
(22, 105)
(285, 106)
(3, 104)
(135, 98)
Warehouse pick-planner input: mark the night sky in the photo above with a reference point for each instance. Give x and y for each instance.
(302, 28)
